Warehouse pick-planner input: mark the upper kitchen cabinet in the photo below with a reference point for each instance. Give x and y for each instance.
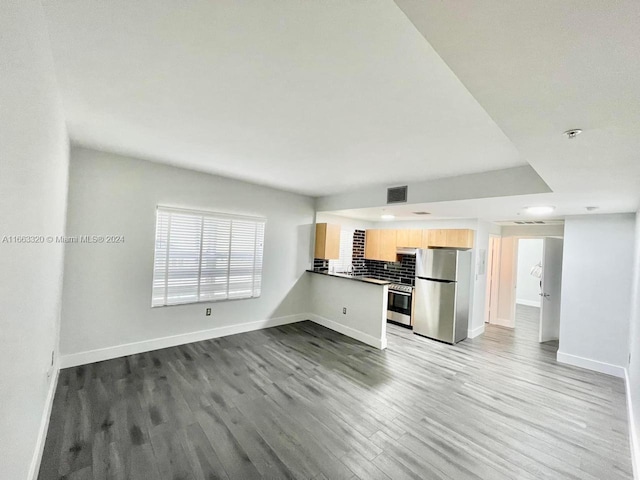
(409, 238)
(327, 241)
(451, 238)
(380, 245)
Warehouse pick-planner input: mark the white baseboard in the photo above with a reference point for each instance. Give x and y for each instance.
(34, 468)
(529, 303)
(117, 351)
(380, 343)
(634, 444)
(475, 332)
(589, 364)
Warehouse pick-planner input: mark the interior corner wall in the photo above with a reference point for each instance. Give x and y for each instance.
(480, 272)
(33, 192)
(597, 274)
(107, 288)
(633, 384)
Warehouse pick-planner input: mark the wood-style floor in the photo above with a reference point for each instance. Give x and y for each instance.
(301, 401)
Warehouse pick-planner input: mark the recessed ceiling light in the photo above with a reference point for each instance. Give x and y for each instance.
(573, 133)
(387, 216)
(539, 210)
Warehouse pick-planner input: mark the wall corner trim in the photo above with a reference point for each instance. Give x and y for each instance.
(98, 355)
(34, 468)
(380, 343)
(634, 444)
(589, 364)
(476, 332)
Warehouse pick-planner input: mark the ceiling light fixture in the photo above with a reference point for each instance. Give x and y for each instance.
(573, 133)
(387, 216)
(539, 210)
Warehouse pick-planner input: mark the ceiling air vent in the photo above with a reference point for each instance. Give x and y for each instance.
(422, 213)
(536, 222)
(397, 194)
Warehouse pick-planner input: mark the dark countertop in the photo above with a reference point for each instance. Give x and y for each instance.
(373, 281)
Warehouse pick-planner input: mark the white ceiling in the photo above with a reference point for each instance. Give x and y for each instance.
(314, 97)
(328, 97)
(542, 67)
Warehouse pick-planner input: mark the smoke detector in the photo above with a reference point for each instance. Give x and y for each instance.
(573, 133)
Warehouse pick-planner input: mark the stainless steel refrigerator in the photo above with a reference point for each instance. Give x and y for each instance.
(441, 309)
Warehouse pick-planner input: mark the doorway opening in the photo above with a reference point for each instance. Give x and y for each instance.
(524, 279)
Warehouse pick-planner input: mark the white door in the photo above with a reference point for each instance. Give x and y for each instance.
(551, 286)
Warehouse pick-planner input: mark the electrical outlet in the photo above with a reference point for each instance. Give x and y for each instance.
(344, 310)
(208, 312)
(385, 266)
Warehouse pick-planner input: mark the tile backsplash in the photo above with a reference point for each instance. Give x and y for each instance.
(402, 271)
(358, 261)
(320, 264)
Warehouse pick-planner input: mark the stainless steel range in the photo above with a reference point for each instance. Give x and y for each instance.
(399, 304)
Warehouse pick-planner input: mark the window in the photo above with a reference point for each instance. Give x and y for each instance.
(206, 257)
(345, 262)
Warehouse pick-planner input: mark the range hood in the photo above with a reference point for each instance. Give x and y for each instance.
(406, 251)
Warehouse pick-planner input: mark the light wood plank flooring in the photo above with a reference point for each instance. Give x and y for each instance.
(301, 401)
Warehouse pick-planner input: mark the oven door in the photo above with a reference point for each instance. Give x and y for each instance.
(399, 307)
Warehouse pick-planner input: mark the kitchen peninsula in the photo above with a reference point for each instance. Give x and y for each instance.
(355, 306)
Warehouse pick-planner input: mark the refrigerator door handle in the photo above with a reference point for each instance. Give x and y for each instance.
(436, 280)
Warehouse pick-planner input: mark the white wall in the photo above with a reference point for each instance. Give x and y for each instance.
(532, 230)
(33, 186)
(528, 286)
(478, 312)
(634, 349)
(344, 222)
(497, 183)
(107, 288)
(597, 272)
(366, 304)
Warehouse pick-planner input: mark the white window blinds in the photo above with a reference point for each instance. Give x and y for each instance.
(206, 257)
(344, 263)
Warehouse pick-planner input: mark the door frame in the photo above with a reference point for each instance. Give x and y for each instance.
(508, 289)
(492, 279)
